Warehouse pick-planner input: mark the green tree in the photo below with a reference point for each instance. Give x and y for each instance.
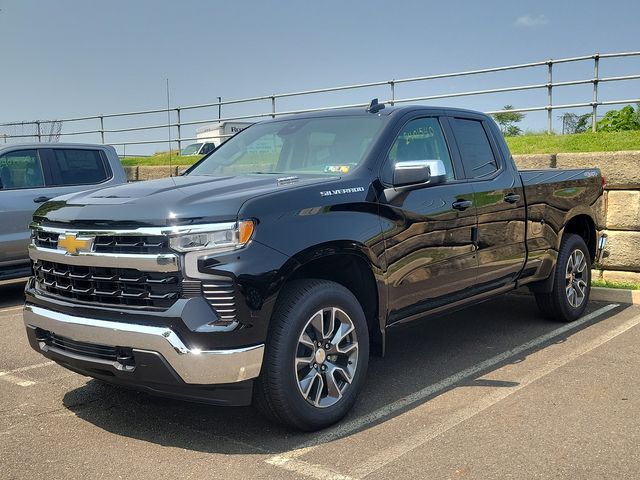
(508, 121)
(627, 118)
(572, 123)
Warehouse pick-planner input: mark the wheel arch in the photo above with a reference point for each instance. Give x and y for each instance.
(352, 266)
(583, 225)
(580, 222)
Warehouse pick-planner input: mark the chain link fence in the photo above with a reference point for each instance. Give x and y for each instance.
(31, 131)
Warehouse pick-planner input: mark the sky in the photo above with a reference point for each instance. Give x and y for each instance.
(69, 58)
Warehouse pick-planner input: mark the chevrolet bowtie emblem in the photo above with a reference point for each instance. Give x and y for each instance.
(73, 244)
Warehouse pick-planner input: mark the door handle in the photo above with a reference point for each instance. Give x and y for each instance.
(462, 204)
(511, 197)
(41, 199)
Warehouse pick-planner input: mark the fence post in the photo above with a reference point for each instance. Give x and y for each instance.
(273, 106)
(594, 113)
(179, 131)
(38, 131)
(393, 92)
(102, 128)
(550, 98)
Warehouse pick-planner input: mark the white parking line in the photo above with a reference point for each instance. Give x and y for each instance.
(8, 376)
(11, 309)
(307, 469)
(407, 445)
(346, 428)
(22, 382)
(24, 369)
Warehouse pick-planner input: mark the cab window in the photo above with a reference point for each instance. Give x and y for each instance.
(419, 139)
(21, 169)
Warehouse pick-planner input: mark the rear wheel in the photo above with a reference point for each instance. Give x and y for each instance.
(569, 295)
(316, 357)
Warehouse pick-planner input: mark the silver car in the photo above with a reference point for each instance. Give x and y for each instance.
(31, 174)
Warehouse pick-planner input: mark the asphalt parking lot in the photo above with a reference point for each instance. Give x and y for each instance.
(490, 392)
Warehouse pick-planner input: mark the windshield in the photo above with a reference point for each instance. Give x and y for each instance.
(191, 149)
(296, 146)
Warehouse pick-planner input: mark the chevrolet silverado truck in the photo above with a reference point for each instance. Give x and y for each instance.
(270, 270)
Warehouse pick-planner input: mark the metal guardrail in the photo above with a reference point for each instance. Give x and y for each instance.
(271, 110)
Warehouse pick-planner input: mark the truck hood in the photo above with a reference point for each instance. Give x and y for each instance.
(175, 200)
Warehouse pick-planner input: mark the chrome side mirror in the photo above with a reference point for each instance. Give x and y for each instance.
(418, 173)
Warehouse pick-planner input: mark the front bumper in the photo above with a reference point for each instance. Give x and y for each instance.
(162, 362)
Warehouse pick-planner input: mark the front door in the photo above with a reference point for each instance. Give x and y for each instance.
(427, 231)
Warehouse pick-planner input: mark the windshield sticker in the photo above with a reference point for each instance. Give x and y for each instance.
(341, 191)
(337, 169)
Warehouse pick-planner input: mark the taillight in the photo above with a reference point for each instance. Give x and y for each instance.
(604, 181)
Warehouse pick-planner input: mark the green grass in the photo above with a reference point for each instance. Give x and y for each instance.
(620, 285)
(529, 143)
(160, 158)
(579, 142)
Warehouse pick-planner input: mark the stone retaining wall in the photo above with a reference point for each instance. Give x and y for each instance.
(621, 216)
(621, 204)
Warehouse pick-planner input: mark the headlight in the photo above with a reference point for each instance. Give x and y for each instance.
(217, 237)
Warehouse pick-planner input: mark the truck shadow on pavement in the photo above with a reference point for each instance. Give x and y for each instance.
(417, 356)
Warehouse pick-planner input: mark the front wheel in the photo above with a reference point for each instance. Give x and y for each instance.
(569, 295)
(316, 357)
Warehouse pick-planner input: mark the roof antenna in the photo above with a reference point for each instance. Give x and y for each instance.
(169, 127)
(374, 106)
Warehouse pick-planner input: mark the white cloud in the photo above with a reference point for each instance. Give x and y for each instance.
(530, 21)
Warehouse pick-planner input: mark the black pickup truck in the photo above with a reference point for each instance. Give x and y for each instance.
(270, 270)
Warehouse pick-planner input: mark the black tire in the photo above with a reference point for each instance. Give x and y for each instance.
(557, 305)
(277, 393)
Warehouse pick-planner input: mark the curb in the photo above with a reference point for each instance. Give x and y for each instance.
(601, 294)
(617, 295)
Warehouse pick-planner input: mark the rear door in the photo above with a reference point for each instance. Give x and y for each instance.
(499, 200)
(427, 231)
(22, 190)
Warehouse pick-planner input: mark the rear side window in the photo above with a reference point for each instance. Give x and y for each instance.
(21, 169)
(475, 149)
(78, 167)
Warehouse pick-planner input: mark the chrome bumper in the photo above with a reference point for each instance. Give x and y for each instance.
(194, 366)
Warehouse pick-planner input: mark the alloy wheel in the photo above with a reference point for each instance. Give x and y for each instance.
(326, 357)
(576, 278)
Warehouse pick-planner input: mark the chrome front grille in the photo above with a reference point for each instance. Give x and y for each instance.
(132, 244)
(143, 244)
(108, 286)
(45, 239)
(221, 296)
